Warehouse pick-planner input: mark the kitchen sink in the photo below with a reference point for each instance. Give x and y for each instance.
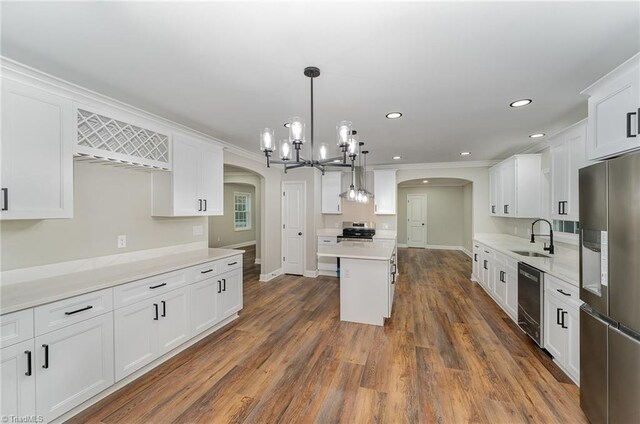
(530, 254)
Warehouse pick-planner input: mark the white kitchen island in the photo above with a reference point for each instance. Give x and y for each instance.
(367, 279)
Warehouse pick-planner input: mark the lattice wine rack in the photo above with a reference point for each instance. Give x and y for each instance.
(104, 139)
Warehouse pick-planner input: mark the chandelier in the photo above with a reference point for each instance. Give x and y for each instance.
(288, 151)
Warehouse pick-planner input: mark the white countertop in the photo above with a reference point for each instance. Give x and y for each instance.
(563, 264)
(385, 234)
(33, 293)
(381, 251)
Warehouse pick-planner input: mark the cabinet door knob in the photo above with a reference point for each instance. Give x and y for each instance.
(155, 307)
(164, 308)
(224, 284)
(299, 234)
(199, 205)
(219, 286)
(205, 205)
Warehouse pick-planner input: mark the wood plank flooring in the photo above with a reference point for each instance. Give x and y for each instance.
(447, 355)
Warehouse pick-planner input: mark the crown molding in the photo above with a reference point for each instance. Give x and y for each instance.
(16, 70)
(439, 165)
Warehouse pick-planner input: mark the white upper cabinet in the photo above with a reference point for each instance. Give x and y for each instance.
(385, 191)
(515, 187)
(195, 186)
(568, 155)
(331, 188)
(37, 153)
(614, 109)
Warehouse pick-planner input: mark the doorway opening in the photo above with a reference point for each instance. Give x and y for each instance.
(239, 226)
(435, 213)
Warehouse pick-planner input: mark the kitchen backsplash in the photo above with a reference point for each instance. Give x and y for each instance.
(352, 211)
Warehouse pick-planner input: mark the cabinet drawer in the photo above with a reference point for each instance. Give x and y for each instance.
(327, 240)
(204, 271)
(16, 327)
(70, 311)
(229, 264)
(559, 288)
(129, 293)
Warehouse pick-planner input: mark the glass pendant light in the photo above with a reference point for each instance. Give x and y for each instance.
(285, 150)
(324, 151)
(296, 130)
(267, 140)
(344, 132)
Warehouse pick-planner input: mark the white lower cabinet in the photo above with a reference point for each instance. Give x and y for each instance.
(136, 339)
(73, 364)
(18, 380)
(562, 325)
(174, 327)
(498, 275)
(204, 305)
(230, 296)
(149, 329)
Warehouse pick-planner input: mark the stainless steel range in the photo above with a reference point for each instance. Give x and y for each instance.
(357, 231)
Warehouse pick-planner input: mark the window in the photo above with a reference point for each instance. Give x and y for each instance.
(242, 211)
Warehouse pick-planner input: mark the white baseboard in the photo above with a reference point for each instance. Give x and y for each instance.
(128, 379)
(466, 252)
(237, 245)
(402, 245)
(271, 275)
(311, 274)
(327, 273)
(258, 261)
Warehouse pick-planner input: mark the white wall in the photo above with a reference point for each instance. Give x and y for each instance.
(108, 202)
(467, 207)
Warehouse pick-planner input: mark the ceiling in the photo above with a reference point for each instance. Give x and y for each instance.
(231, 68)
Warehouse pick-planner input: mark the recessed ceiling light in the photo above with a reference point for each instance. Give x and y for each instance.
(520, 103)
(536, 135)
(287, 125)
(394, 115)
(465, 153)
(425, 181)
(397, 157)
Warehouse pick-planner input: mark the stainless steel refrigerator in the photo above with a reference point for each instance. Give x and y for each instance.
(610, 288)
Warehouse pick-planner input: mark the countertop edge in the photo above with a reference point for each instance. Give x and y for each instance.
(102, 286)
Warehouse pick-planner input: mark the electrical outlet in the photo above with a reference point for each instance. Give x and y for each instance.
(336, 225)
(122, 241)
(346, 273)
(385, 226)
(197, 230)
(218, 239)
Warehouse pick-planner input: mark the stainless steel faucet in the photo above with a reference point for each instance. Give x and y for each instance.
(549, 248)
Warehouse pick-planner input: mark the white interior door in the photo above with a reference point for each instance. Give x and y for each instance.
(293, 234)
(417, 220)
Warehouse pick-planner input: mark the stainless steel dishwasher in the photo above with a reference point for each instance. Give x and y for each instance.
(530, 301)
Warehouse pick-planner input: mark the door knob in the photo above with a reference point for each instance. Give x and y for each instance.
(423, 223)
(299, 234)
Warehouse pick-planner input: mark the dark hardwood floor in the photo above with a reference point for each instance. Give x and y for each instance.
(447, 355)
